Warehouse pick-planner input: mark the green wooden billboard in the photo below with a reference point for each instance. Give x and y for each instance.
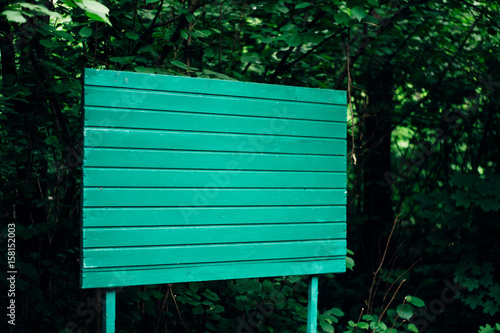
(188, 179)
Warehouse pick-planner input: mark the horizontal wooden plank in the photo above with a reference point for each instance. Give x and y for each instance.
(188, 102)
(216, 179)
(117, 277)
(204, 86)
(143, 217)
(114, 138)
(189, 254)
(118, 237)
(133, 118)
(130, 197)
(147, 158)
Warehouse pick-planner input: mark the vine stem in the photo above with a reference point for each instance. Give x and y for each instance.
(349, 84)
(370, 294)
(392, 299)
(177, 307)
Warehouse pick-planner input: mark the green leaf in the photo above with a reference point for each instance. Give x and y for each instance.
(405, 311)
(371, 19)
(415, 301)
(413, 328)
(95, 17)
(198, 310)
(337, 312)
(283, 9)
(69, 3)
(122, 60)
(302, 5)
(249, 58)
(132, 35)
(65, 35)
(184, 34)
(363, 325)
(85, 32)
(349, 263)
(373, 2)
(341, 18)
(180, 64)
(48, 43)
(326, 327)
(94, 10)
(156, 294)
(14, 16)
(210, 326)
(486, 329)
(489, 204)
(142, 69)
(205, 33)
(314, 38)
(211, 295)
(144, 295)
(271, 7)
(354, 3)
(288, 27)
(194, 286)
(294, 40)
(490, 308)
(218, 75)
(217, 309)
(358, 13)
(462, 199)
(41, 10)
(61, 88)
(51, 140)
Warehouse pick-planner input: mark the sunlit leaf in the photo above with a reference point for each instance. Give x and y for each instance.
(358, 13)
(405, 311)
(14, 16)
(413, 300)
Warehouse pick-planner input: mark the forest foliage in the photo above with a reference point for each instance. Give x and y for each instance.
(423, 82)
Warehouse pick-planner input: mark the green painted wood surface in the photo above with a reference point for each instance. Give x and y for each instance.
(202, 253)
(159, 83)
(195, 122)
(210, 234)
(109, 312)
(192, 179)
(215, 178)
(192, 216)
(276, 111)
(125, 276)
(179, 140)
(158, 159)
(188, 197)
(312, 305)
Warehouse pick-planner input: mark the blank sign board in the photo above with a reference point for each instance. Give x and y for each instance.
(189, 179)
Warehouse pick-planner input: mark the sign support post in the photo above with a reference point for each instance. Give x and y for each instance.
(109, 311)
(312, 305)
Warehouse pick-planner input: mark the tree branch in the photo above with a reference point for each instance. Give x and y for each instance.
(182, 24)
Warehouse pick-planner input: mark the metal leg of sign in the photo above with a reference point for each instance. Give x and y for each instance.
(109, 312)
(312, 305)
